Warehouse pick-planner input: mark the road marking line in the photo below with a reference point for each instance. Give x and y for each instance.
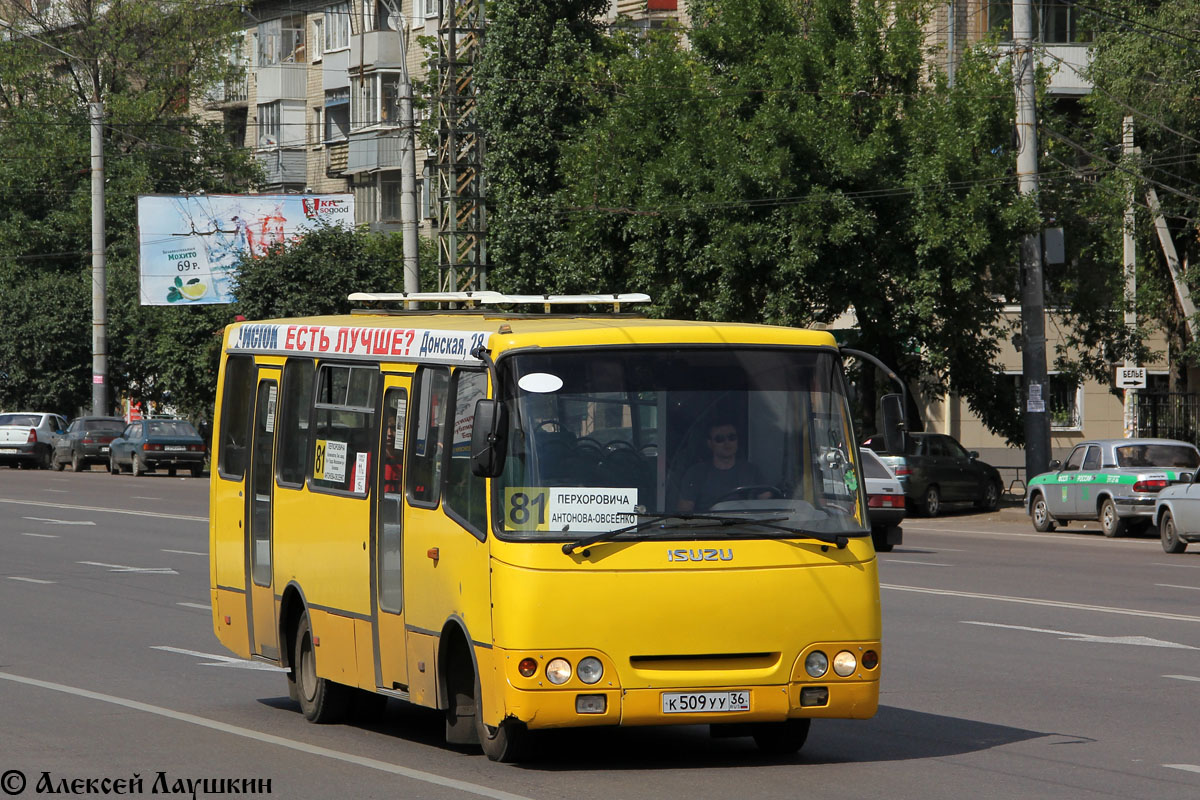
(27, 580)
(58, 491)
(1185, 566)
(1141, 641)
(60, 521)
(267, 738)
(200, 606)
(221, 661)
(911, 561)
(1183, 677)
(182, 517)
(1184, 767)
(42, 535)
(143, 497)
(1033, 601)
(186, 552)
(1177, 586)
(1058, 537)
(122, 568)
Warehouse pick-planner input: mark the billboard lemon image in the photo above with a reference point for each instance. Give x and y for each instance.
(193, 291)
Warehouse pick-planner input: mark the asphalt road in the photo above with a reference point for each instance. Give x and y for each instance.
(1016, 665)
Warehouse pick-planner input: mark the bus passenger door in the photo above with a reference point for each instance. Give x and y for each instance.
(391, 666)
(258, 535)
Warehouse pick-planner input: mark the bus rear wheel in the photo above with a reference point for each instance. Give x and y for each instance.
(782, 738)
(322, 701)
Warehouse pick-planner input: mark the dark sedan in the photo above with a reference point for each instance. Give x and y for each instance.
(86, 441)
(150, 444)
(935, 468)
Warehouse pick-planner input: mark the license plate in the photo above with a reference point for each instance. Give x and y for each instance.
(9, 450)
(103, 448)
(704, 702)
(174, 448)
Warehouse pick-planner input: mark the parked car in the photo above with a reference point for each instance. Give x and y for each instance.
(936, 469)
(85, 442)
(1115, 481)
(885, 502)
(150, 444)
(1177, 513)
(26, 438)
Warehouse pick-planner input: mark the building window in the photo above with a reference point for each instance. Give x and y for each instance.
(281, 41)
(376, 99)
(1054, 21)
(1063, 397)
(318, 39)
(390, 194)
(431, 8)
(337, 114)
(318, 131)
(337, 27)
(269, 120)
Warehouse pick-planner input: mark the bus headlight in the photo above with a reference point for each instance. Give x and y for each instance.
(817, 664)
(558, 671)
(844, 663)
(590, 670)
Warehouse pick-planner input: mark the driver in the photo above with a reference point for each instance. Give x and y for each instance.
(709, 482)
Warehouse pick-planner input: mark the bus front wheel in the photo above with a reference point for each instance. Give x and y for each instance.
(321, 700)
(782, 738)
(505, 743)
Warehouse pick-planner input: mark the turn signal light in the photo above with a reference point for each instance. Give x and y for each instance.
(32, 438)
(870, 659)
(527, 667)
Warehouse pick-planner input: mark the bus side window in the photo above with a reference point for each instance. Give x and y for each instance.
(291, 458)
(426, 423)
(343, 424)
(465, 491)
(236, 412)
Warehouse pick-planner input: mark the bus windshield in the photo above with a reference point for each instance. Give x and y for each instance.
(719, 438)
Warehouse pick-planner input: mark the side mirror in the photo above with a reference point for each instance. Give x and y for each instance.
(489, 438)
(973, 453)
(891, 415)
(1055, 465)
(1186, 477)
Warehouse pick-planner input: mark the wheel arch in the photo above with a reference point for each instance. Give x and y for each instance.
(455, 648)
(292, 606)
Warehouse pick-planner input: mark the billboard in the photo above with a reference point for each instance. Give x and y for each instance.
(189, 245)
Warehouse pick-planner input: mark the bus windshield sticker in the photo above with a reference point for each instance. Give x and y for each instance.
(360, 473)
(407, 344)
(330, 461)
(540, 382)
(569, 508)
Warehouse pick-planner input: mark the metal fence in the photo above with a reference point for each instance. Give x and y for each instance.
(1169, 415)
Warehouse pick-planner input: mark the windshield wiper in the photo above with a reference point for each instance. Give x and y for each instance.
(840, 540)
(653, 519)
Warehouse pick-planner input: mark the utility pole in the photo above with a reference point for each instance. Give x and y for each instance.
(99, 280)
(408, 156)
(1129, 248)
(1033, 306)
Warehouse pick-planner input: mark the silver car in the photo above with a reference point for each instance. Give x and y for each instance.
(885, 502)
(26, 438)
(1115, 481)
(1177, 514)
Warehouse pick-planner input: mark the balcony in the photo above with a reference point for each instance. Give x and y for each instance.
(227, 94)
(374, 150)
(1067, 63)
(283, 166)
(375, 49)
(336, 158)
(282, 82)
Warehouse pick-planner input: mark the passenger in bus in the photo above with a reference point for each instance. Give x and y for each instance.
(392, 471)
(718, 478)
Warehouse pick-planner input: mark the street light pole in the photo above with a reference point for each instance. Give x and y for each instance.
(99, 278)
(408, 155)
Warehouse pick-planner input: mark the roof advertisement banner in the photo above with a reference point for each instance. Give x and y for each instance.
(190, 245)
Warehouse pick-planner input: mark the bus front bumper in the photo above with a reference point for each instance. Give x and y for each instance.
(578, 707)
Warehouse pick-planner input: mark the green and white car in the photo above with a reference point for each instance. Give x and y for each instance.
(1114, 481)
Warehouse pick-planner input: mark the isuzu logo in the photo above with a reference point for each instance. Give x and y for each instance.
(707, 554)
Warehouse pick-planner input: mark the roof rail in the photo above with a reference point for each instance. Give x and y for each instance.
(471, 299)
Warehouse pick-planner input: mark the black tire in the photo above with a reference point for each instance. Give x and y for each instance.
(879, 539)
(507, 743)
(931, 501)
(170, 472)
(1112, 525)
(1171, 543)
(136, 466)
(198, 471)
(1039, 512)
(321, 700)
(46, 459)
(990, 499)
(112, 465)
(782, 738)
(56, 465)
(77, 464)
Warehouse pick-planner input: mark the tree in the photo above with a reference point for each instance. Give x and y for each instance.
(795, 161)
(144, 60)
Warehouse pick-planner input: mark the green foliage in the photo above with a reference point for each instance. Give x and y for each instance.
(794, 162)
(315, 274)
(144, 60)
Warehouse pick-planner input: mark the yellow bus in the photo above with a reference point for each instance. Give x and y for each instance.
(545, 518)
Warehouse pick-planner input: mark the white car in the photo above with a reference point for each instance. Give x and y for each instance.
(26, 438)
(1177, 513)
(885, 501)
